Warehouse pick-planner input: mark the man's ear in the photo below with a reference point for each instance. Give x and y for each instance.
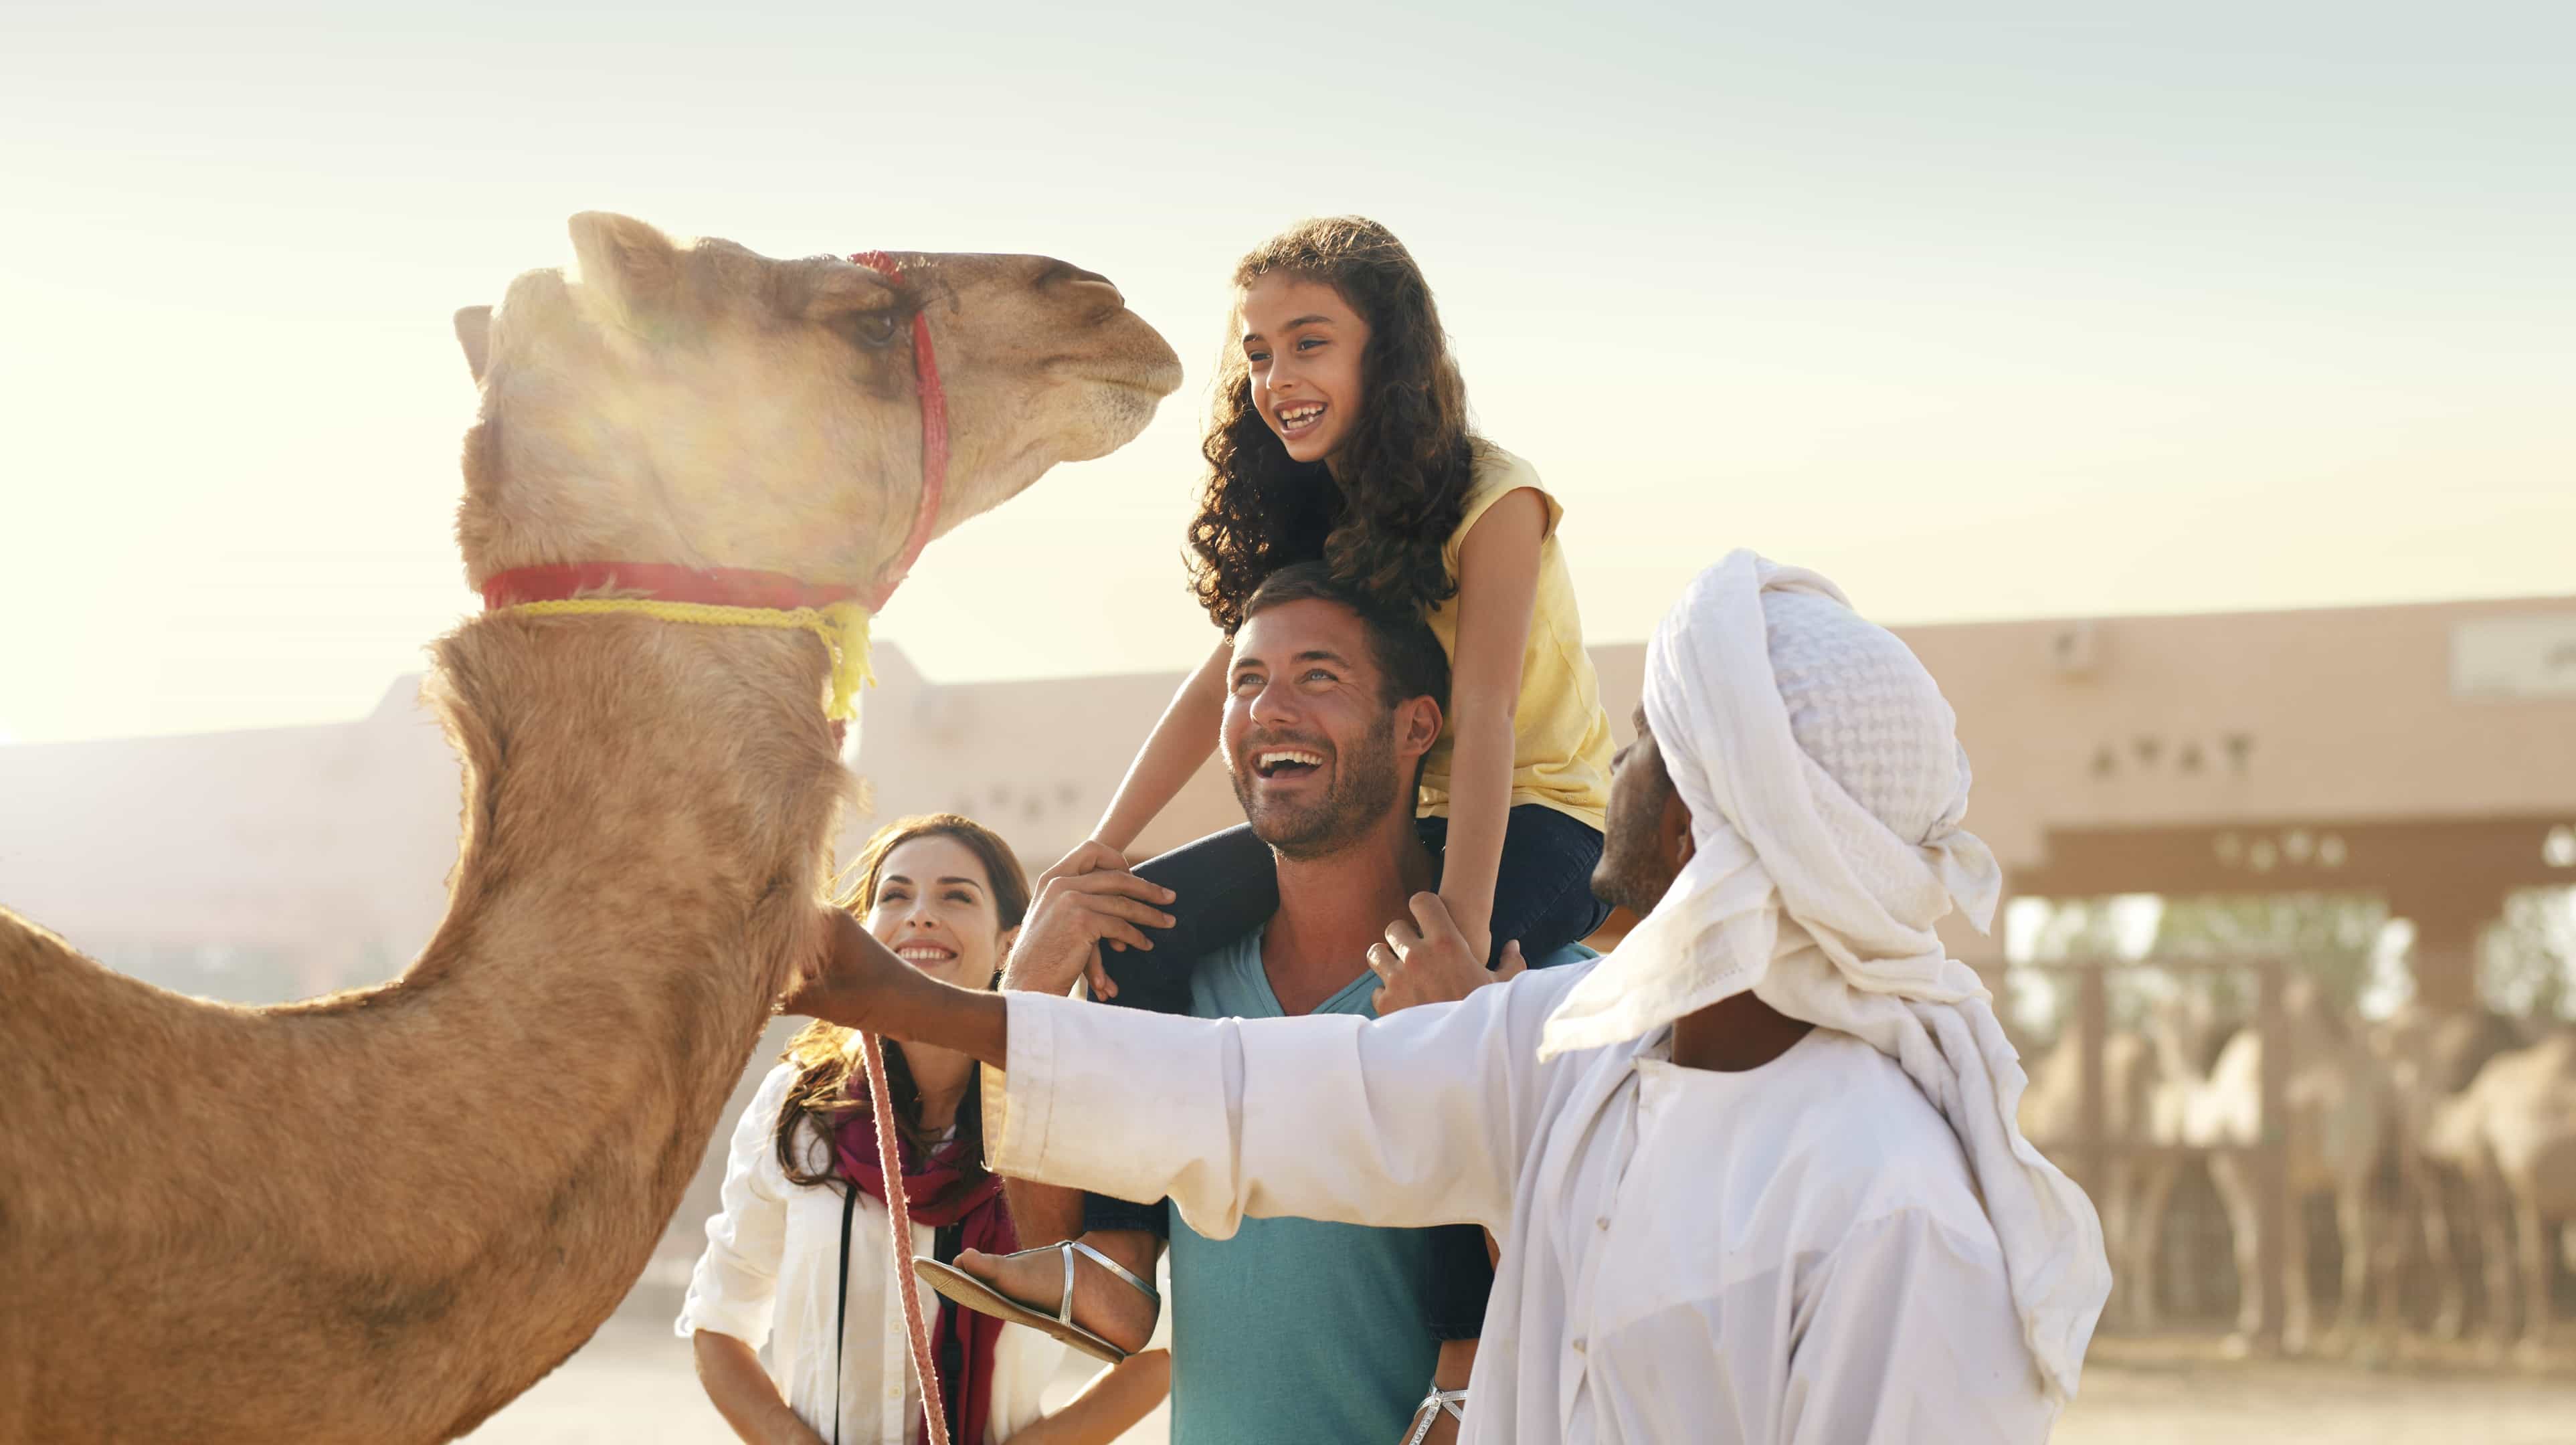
(1422, 723)
(1675, 827)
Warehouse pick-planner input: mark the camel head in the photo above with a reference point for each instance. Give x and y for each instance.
(693, 402)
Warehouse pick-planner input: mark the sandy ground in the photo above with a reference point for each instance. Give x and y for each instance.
(633, 1384)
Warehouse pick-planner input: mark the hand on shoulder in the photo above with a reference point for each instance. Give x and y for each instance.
(1074, 914)
(1427, 959)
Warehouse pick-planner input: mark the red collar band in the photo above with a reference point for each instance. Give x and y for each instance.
(744, 587)
(661, 581)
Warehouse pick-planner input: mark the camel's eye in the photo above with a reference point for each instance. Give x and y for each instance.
(874, 330)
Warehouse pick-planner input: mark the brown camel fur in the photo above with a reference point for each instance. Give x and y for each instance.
(380, 1216)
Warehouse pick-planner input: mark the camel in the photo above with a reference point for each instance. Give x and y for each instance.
(2337, 1110)
(2430, 1057)
(2512, 1132)
(383, 1214)
(2153, 1078)
(2131, 1188)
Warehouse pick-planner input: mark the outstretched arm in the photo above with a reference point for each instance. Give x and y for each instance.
(1413, 1120)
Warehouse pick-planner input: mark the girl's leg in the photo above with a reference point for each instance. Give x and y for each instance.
(1462, 1276)
(1542, 898)
(1227, 885)
(1543, 883)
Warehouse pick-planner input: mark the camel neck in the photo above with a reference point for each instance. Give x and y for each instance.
(646, 811)
(636, 791)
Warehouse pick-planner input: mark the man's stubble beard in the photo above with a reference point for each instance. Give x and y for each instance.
(1630, 874)
(1364, 791)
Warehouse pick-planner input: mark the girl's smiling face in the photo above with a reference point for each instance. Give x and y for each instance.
(1302, 344)
(934, 907)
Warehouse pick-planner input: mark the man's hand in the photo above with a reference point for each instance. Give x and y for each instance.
(858, 983)
(1427, 959)
(851, 978)
(1089, 856)
(1075, 913)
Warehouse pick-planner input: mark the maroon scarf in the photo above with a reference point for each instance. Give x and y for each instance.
(985, 1225)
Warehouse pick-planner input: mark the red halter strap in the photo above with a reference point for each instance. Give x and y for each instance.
(934, 481)
(934, 433)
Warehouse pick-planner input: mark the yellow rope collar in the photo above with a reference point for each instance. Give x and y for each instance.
(843, 627)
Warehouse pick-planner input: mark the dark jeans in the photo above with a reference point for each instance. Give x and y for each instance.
(1228, 885)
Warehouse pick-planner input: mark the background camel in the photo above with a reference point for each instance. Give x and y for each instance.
(2429, 1058)
(2512, 1133)
(2183, 1081)
(2131, 1190)
(381, 1215)
(2337, 1110)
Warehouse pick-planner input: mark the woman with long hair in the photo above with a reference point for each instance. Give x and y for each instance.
(803, 1226)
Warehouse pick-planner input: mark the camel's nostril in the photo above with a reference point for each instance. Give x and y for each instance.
(1065, 273)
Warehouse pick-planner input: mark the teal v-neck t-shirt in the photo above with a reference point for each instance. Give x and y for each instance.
(1294, 1331)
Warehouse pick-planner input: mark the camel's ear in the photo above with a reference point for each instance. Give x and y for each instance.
(625, 258)
(474, 333)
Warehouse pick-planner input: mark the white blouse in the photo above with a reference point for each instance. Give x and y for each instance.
(767, 1272)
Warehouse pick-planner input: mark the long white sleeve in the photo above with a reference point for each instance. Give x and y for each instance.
(1413, 1120)
(736, 1280)
(1905, 1333)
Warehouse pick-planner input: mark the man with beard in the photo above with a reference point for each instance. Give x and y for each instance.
(1284, 1330)
(1755, 1174)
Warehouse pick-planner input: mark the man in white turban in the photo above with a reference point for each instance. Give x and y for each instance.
(1754, 1175)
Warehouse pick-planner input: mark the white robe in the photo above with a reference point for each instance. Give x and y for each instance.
(1794, 1253)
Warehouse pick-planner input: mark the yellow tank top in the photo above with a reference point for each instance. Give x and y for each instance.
(1560, 735)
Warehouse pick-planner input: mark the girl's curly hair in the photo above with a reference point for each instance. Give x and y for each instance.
(1405, 468)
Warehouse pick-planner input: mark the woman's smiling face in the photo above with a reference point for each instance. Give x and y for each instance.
(1302, 344)
(934, 907)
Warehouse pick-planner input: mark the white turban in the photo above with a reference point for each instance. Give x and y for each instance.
(1826, 784)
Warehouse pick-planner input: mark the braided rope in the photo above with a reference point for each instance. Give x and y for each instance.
(899, 1221)
(843, 626)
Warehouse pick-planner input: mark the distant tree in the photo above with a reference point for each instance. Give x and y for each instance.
(2334, 938)
(2527, 958)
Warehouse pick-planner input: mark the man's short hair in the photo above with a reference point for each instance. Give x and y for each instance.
(1410, 661)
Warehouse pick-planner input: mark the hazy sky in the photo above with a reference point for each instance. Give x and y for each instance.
(2180, 307)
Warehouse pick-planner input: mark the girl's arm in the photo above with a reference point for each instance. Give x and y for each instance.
(1179, 744)
(744, 1394)
(1497, 586)
(1109, 1406)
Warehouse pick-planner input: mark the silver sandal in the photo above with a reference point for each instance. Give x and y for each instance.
(967, 1292)
(1424, 1414)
